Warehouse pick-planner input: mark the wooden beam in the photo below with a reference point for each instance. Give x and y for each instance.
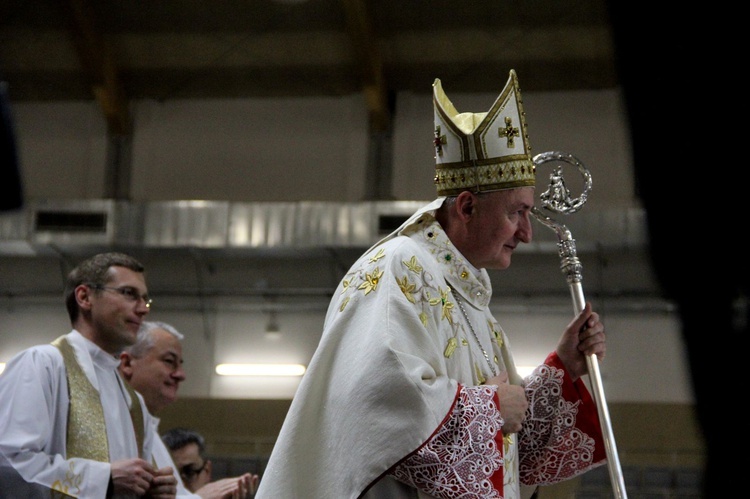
(98, 62)
(366, 51)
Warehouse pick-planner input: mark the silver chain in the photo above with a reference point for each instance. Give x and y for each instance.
(476, 338)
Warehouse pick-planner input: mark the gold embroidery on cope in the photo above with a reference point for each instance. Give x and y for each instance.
(450, 348)
(497, 333)
(407, 288)
(447, 305)
(413, 266)
(371, 280)
(480, 374)
(380, 254)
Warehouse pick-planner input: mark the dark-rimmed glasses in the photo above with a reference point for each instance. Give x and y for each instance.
(189, 472)
(129, 292)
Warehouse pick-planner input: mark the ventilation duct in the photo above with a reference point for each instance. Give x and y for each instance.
(227, 225)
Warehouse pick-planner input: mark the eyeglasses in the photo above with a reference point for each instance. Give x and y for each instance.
(188, 472)
(130, 293)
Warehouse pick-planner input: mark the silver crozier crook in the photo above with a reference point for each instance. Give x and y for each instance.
(557, 199)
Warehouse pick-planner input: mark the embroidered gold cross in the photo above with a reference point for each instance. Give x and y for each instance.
(438, 141)
(509, 132)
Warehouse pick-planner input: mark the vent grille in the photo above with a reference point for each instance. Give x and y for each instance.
(68, 221)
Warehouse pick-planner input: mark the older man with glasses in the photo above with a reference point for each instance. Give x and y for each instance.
(69, 424)
(153, 367)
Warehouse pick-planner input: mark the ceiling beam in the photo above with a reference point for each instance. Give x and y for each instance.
(367, 53)
(98, 63)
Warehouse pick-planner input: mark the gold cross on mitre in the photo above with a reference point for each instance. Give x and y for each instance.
(508, 132)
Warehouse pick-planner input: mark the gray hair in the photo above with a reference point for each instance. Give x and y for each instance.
(145, 339)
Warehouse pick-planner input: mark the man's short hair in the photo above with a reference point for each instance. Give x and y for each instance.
(95, 271)
(179, 437)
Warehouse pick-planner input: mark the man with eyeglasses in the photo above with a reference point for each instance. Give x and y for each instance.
(69, 424)
(153, 367)
(188, 449)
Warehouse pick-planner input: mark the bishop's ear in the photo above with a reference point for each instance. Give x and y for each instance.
(466, 203)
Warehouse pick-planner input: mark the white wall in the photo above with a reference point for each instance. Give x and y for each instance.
(61, 149)
(250, 150)
(644, 362)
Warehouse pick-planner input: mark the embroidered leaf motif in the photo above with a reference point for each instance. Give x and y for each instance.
(433, 301)
(497, 333)
(423, 318)
(450, 348)
(407, 288)
(380, 254)
(344, 285)
(447, 305)
(413, 265)
(343, 304)
(480, 375)
(371, 280)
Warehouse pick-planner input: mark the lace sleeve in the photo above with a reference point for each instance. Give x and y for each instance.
(561, 437)
(463, 458)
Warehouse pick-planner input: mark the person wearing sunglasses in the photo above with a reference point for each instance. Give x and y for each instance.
(188, 449)
(153, 367)
(69, 424)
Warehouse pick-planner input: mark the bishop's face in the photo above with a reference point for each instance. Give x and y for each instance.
(499, 222)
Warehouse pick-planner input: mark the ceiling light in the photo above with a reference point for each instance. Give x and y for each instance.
(2, 367)
(260, 369)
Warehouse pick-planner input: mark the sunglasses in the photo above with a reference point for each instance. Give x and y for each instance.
(189, 472)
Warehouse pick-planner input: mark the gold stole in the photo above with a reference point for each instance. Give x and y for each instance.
(87, 433)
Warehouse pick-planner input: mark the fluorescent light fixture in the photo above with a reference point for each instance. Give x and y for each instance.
(524, 371)
(2, 367)
(260, 369)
